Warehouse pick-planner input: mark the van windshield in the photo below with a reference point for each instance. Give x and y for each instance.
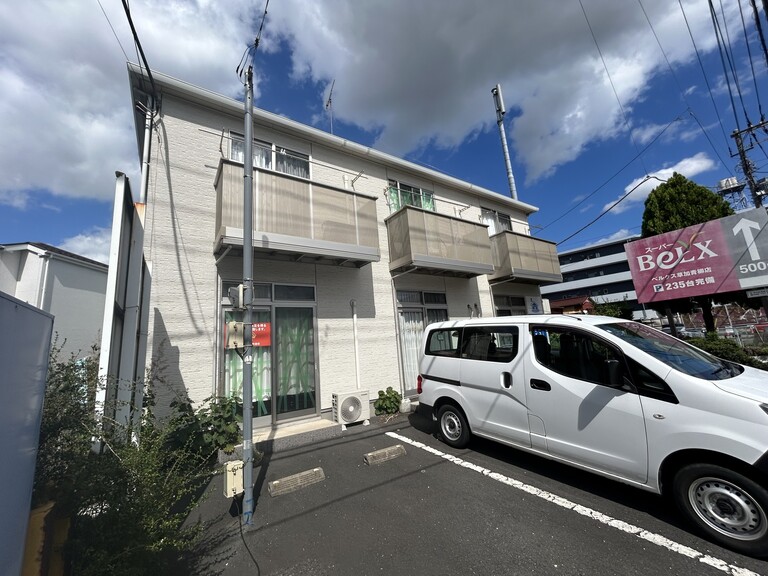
(673, 352)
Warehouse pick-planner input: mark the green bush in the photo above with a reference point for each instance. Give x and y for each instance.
(727, 350)
(129, 506)
(388, 402)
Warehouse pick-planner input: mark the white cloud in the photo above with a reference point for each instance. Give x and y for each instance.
(618, 235)
(93, 244)
(412, 72)
(688, 167)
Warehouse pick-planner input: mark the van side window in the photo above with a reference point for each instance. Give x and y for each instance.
(490, 343)
(650, 385)
(444, 342)
(574, 354)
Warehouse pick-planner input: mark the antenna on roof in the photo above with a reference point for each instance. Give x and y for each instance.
(329, 103)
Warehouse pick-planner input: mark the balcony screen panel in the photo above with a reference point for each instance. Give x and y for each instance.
(334, 215)
(399, 237)
(368, 226)
(284, 206)
(417, 228)
(231, 190)
(527, 250)
(471, 242)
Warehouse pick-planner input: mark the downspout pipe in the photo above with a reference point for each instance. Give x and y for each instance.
(353, 304)
(146, 149)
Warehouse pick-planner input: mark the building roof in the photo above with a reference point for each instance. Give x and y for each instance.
(599, 245)
(172, 86)
(573, 301)
(53, 250)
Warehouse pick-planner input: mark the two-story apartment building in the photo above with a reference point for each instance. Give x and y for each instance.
(355, 251)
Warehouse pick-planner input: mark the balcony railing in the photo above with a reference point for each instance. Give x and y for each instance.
(432, 243)
(522, 258)
(296, 219)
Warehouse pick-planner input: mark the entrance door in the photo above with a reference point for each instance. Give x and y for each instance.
(294, 361)
(284, 354)
(411, 332)
(261, 367)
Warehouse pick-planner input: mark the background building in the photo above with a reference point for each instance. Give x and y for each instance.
(599, 272)
(68, 286)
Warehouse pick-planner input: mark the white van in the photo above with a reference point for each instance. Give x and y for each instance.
(616, 398)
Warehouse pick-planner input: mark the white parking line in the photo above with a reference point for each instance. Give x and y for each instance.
(584, 511)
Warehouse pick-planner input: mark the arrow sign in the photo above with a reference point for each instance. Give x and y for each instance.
(745, 227)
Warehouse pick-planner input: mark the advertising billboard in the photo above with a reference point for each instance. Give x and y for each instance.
(721, 255)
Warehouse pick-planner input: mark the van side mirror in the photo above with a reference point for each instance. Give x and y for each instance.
(615, 379)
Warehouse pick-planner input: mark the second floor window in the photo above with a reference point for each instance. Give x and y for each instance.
(496, 221)
(266, 155)
(401, 194)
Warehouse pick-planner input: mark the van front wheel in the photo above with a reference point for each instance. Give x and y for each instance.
(728, 507)
(454, 430)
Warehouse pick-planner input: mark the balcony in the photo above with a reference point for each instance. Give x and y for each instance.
(294, 219)
(522, 258)
(429, 243)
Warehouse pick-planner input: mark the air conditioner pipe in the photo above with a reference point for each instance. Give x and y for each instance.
(353, 304)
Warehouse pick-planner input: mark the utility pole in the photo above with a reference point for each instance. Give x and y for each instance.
(498, 99)
(247, 303)
(746, 163)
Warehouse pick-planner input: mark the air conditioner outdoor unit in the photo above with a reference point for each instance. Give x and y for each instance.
(350, 408)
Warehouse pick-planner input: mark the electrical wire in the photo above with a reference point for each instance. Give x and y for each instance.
(611, 207)
(751, 64)
(706, 81)
(140, 49)
(246, 60)
(723, 44)
(610, 80)
(113, 30)
(614, 175)
(759, 27)
(677, 82)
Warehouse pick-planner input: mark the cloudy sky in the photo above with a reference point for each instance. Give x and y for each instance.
(600, 94)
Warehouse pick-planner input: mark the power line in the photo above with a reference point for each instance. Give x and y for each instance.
(113, 30)
(619, 171)
(723, 46)
(751, 64)
(611, 207)
(759, 27)
(140, 49)
(679, 86)
(610, 80)
(706, 81)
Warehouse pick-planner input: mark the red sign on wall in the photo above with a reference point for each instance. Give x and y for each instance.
(261, 334)
(718, 256)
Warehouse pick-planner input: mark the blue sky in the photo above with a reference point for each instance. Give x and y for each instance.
(587, 84)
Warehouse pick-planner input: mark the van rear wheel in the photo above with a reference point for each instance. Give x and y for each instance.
(728, 507)
(454, 429)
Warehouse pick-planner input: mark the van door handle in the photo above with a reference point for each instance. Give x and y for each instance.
(540, 385)
(506, 380)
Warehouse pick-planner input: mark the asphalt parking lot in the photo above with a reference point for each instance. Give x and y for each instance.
(487, 509)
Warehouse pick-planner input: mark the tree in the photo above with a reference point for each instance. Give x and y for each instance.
(616, 309)
(676, 204)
